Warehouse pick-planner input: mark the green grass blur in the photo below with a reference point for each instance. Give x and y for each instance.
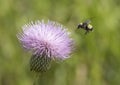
(96, 59)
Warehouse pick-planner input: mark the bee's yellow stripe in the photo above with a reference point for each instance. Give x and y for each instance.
(90, 26)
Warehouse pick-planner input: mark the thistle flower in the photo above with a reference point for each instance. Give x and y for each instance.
(47, 41)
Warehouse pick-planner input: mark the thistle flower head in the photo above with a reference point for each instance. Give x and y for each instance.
(48, 40)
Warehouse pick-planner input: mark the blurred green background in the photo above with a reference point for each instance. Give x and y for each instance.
(96, 59)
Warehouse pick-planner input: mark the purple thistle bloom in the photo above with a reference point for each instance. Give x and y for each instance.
(47, 41)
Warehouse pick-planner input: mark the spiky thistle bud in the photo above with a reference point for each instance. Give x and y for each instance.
(47, 41)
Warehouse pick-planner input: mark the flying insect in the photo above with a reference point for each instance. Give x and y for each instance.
(86, 26)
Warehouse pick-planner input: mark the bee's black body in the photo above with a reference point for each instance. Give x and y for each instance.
(86, 26)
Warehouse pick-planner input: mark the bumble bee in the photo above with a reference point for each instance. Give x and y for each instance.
(86, 26)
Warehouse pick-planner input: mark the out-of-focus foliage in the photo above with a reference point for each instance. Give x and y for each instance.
(96, 59)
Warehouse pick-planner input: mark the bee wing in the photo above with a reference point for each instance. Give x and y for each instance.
(87, 21)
